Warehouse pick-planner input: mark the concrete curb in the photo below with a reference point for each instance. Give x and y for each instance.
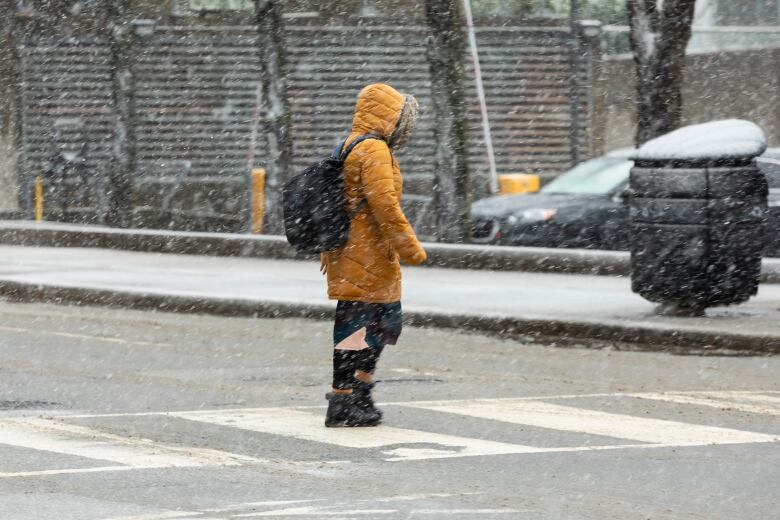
(631, 336)
(495, 258)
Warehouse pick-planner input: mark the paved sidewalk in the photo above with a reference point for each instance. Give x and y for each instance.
(579, 307)
(450, 256)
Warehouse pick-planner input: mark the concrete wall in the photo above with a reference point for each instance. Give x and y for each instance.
(743, 84)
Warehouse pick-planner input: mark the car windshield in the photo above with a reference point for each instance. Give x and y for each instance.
(598, 176)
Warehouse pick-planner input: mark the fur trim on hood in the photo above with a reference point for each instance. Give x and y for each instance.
(405, 125)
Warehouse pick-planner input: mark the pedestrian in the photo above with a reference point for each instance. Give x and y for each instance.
(364, 275)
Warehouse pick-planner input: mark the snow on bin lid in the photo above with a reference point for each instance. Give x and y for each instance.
(727, 139)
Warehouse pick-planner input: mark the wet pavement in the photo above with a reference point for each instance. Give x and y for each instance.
(117, 414)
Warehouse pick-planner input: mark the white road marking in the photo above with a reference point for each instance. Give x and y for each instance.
(467, 511)
(69, 439)
(757, 395)
(169, 515)
(231, 510)
(306, 423)
(90, 337)
(309, 426)
(747, 394)
(568, 418)
(421, 496)
(47, 472)
(266, 503)
(730, 400)
(401, 454)
(316, 511)
(742, 396)
(313, 510)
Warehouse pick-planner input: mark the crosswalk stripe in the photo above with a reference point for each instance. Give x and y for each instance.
(752, 397)
(732, 401)
(67, 471)
(70, 439)
(324, 507)
(395, 444)
(316, 511)
(309, 426)
(568, 418)
(347, 513)
(168, 515)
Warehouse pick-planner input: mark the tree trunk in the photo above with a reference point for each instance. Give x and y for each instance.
(275, 108)
(659, 36)
(7, 18)
(120, 190)
(452, 187)
(10, 96)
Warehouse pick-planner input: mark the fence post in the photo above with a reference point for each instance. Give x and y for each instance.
(277, 120)
(591, 31)
(574, 87)
(121, 35)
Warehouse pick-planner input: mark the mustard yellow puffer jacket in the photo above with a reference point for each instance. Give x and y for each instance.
(367, 268)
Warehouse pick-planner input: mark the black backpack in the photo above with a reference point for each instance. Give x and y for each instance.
(314, 216)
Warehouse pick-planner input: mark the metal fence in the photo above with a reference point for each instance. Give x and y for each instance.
(196, 92)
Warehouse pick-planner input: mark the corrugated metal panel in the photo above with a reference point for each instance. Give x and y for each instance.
(195, 95)
(67, 101)
(526, 81)
(196, 90)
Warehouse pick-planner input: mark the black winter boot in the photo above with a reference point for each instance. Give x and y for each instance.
(344, 411)
(362, 393)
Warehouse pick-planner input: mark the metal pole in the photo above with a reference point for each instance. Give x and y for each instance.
(574, 98)
(481, 96)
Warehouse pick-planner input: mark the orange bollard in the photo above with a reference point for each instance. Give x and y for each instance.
(38, 199)
(258, 200)
(515, 183)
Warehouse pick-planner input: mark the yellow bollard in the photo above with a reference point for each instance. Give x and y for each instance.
(38, 199)
(258, 200)
(515, 183)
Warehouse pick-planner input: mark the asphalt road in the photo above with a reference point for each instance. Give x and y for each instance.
(109, 414)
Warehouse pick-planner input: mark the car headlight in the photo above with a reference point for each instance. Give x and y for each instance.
(532, 215)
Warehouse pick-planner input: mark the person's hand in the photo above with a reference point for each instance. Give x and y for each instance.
(323, 264)
(419, 257)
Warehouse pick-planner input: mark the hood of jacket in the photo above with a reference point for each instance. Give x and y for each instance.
(377, 110)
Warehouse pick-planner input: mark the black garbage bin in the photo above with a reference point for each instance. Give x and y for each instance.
(698, 208)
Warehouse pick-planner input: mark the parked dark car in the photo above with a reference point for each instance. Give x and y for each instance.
(586, 208)
(582, 208)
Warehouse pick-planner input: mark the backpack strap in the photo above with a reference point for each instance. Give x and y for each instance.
(337, 151)
(342, 155)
